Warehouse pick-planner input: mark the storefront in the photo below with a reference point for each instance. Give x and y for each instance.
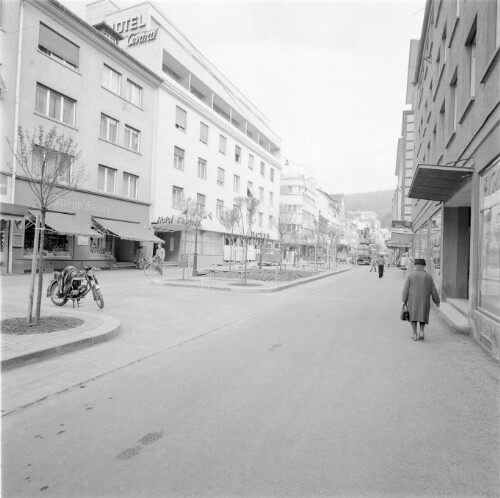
(11, 215)
(83, 229)
(182, 237)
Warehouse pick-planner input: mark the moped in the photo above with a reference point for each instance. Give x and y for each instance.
(75, 285)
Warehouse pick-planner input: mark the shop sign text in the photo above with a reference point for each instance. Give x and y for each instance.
(145, 36)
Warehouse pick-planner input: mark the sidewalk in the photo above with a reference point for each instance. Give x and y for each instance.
(19, 350)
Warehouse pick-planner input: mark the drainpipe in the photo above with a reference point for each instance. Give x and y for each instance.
(16, 124)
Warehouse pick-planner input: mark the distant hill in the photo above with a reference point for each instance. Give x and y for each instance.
(380, 202)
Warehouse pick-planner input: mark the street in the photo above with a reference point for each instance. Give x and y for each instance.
(313, 391)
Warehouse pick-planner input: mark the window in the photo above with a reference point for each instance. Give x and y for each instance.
(237, 153)
(132, 138)
(471, 55)
(498, 24)
(180, 119)
(200, 201)
(111, 80)
(271, 174)
(270, 222)
(250, 161)
(178, 159)
(271, 198)
(219, 208)
(130, 185)
(220, 177)
(250, 189)
(134, 93)
(489, 205)
(106, 179)
(55, 105)
(261, 194)
(58, 47)
(222, 144)
(109, 129)
(452, 124)
(203, 133)
(54, 163)
(236, 183)
(177, 197)
(261, 220)
(202, 169)
(262, 169)
(54, 243)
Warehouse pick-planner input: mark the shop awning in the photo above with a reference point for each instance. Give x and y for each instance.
(12, 212)
(438, 183)
(70, 224)
(128, 230)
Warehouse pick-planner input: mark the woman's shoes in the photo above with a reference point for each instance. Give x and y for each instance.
(421, 337)
(414, 337)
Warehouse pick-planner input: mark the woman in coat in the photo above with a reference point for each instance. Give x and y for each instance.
(419, 288)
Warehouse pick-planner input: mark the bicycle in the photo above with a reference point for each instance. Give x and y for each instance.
(151, 268)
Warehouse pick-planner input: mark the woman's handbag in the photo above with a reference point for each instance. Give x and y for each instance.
(405, 314)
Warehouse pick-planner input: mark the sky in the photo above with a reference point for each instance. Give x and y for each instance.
(329, 75)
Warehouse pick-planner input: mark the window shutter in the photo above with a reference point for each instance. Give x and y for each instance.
(58, 44)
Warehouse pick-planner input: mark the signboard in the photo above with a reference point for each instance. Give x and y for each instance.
(401, 224)
(135, 30)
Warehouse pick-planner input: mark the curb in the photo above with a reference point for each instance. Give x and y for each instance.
(228, 288)
(107, 328)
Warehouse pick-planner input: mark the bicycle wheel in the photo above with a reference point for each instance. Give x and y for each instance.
(148, 269)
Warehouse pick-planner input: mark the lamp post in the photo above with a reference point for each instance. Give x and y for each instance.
(195, 255)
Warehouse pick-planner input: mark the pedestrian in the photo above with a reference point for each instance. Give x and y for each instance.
(159, 257)
(380, 264)
(418, 289)
(373, 264)
(403, 263)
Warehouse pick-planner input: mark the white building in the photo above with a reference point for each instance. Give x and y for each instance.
(211, 144)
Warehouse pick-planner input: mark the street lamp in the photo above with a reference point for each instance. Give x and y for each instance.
(195, 255)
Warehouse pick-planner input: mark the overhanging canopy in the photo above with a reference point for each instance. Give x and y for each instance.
(128, 230)
(12, 212)
(70, 224)
(437, 183)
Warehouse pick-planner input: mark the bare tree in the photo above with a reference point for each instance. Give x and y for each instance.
(319, 228)
(282, 220)
(247, 209)
(332, 233)
(229, 219)
(48, 162)
(191, 217)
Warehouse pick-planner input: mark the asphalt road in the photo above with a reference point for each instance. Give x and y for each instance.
(314, 391)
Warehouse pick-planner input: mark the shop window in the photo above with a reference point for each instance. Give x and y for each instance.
(101, 246)
(434, 264)
(489, 250)
(55, 244)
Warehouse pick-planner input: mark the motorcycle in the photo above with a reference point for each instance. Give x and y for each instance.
(73, 284)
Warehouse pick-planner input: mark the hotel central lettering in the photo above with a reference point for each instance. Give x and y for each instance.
(131, 24)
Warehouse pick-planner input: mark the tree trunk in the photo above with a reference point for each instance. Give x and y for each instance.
(40, 267)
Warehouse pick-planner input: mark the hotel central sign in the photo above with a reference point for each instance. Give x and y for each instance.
(132, 27)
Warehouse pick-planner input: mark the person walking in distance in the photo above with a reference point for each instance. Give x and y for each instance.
(380, 264)
(373, 264)
(159, 257)
(417, 292)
